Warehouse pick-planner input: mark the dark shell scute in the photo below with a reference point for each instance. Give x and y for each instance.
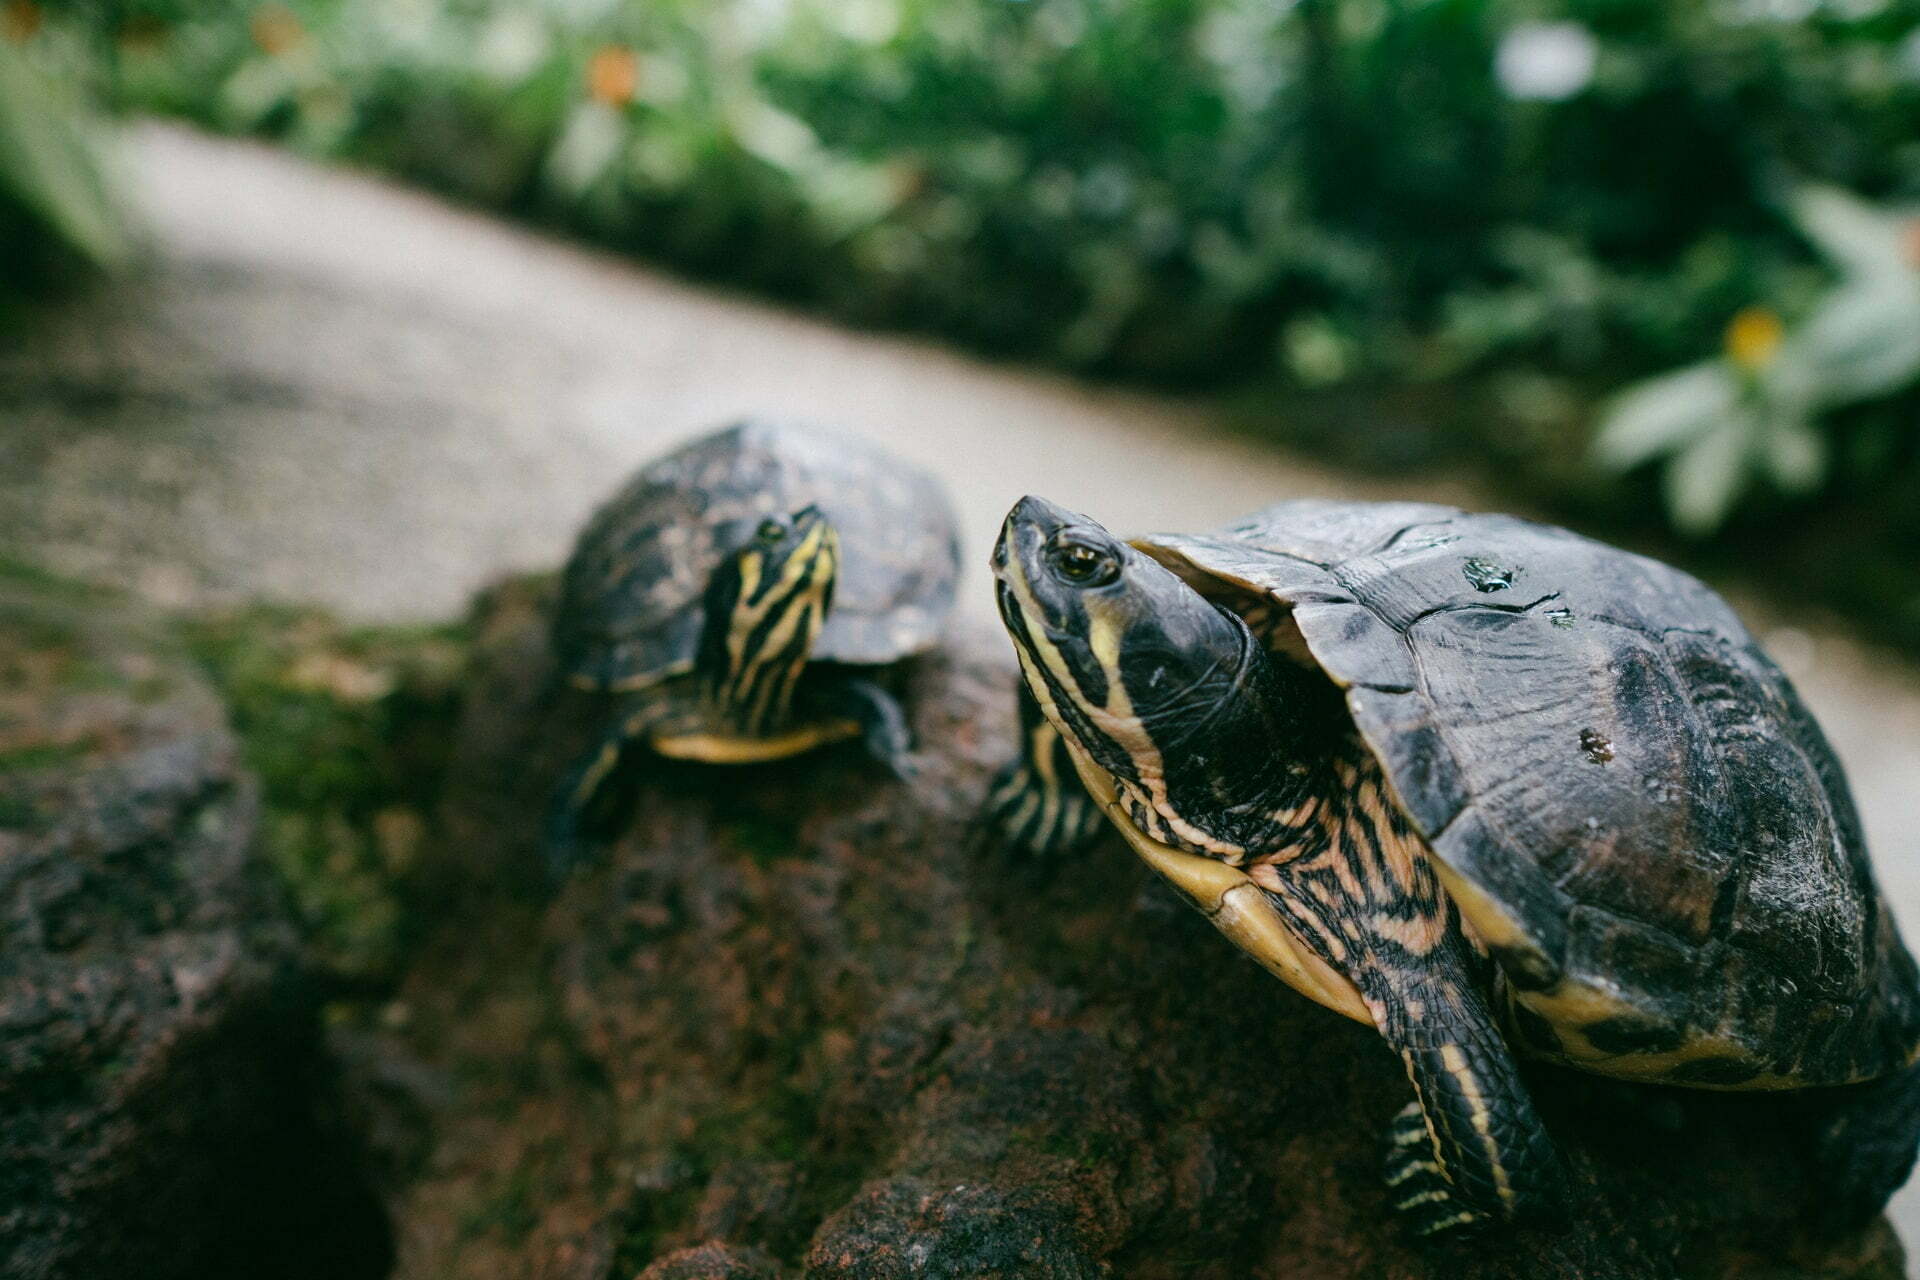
(1328, 532)
(1536, 956)
(1430, 784)
(1298, 579)
(1655, 972)
(1363, 649)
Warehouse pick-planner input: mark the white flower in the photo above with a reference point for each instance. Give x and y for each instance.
(1546, 61)
(511, 45)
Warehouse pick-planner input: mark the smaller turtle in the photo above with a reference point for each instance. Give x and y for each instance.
(1494, 789)
(736, 597)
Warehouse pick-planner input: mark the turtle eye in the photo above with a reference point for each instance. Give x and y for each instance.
(1083, 565)
(771, 530)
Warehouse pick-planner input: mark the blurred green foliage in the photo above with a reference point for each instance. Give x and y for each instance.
(1550, 198)
(1175, 188)
(57, 204)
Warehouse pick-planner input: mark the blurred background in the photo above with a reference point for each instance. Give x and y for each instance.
(1446, 233)
(1650, 269)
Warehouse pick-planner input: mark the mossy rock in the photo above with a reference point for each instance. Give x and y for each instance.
(161, 1083)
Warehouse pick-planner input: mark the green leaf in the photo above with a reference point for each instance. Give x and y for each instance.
(1663, 414)
(1704, 479)
(48, 163)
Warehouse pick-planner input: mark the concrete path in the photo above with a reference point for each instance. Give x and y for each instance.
(326, 388)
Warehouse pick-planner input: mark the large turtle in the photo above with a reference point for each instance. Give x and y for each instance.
(735, 597)
(1485, 785)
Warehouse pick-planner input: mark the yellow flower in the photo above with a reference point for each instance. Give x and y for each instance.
(1753, 337)
(613, 73)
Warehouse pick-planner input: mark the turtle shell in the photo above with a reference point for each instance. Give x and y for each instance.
(632, 604)
(1624, 794)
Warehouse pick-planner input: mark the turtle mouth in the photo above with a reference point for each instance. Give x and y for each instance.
(1012, 559)
(1007, 548)
(1008, 605)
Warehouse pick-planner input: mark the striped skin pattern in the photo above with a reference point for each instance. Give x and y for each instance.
(632, 606)
(765, 608)
(1623, 794)
(1216, 748)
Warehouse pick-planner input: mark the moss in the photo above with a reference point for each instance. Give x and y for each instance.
(18, 813)
(39, 755)
(650, 1224)
(347, 728)
(45, 582)
(508, 1210)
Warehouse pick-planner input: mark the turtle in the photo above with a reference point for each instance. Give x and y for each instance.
(736, 599)
(1495, 790)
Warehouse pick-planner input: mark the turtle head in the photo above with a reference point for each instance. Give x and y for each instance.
(1161, 689)
(765, 605)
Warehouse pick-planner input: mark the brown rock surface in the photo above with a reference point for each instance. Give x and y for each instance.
(714, 1262)
(807, 1016)
(158, 1065)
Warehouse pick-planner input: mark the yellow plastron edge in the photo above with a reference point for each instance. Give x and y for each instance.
(722, 748)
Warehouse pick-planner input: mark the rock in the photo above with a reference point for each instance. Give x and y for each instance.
(714, 1262)
(159, 1077)
(805, 1010)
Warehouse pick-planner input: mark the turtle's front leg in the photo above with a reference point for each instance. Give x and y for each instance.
(1470, 1149)
(1036, 801)
(583, 792)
